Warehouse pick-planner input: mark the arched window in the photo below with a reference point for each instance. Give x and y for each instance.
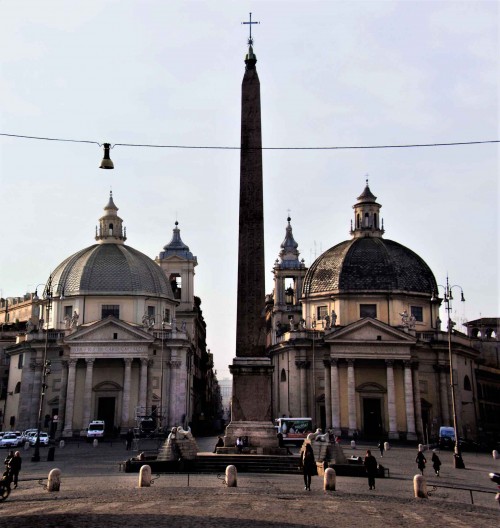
(467, 385)
(17, 390)
(283, 375)
(375, 221)
(488, 333)
(475, 332)
(358, 221)
(110, 231)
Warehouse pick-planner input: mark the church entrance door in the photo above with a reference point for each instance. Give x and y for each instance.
(372, 418)
(106, 412)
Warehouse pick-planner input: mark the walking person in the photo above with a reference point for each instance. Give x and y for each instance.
(308, 464)
(420, 460)
(436, 462)
(370, 464)
(8, 458)
(15, 467)
(381, 447)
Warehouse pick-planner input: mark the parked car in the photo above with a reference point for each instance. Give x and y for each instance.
(44, 439)
(9, 440)
(26, 434)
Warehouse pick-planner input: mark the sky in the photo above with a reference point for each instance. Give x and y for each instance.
(332, 73)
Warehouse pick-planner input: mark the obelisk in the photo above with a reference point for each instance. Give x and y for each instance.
(251, 369)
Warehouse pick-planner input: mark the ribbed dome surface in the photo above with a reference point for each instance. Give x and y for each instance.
(110, 268)
(369, 264)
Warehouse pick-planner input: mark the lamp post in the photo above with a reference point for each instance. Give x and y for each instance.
(448, 297)
(47, 296)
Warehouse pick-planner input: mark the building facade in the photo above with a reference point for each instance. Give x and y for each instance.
(115, 336)
(356, 339)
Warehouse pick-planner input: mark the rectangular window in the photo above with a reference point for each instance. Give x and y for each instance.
(68, 311)
(368, 310)
(166, 315)
(418, 313)
(151, 311)
(110, 309)
(20, 361)
(322, 311)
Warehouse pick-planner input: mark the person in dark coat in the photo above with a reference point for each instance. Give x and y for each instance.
(308, 464)
(220, 443)
(436, 462)
(370, 464)
(128, 439)
(15, 467)
(8, 458)
(381, 447)
(420, 460)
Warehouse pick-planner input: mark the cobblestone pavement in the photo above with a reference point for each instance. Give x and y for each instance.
(94, 493)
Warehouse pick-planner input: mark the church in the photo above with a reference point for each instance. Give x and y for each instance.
(115, 336)
(356, 340)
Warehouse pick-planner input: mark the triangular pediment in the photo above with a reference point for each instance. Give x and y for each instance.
(110, 329)
(368, 330)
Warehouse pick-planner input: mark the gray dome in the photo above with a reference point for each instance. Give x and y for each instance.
(369, 264)
(115, 269)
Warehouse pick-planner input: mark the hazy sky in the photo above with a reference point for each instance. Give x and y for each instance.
(169, 73)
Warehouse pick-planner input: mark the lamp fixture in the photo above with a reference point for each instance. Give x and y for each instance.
(106, 162)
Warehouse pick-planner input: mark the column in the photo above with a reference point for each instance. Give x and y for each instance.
(143, 385)
(166, 394)
(126, 393)
(62, 397)
(409, 406)
(149, 394)
(87, 394)
(351, 397)
(302, 366)
(391, 401)
(334, 373)
(175, 405)
(418, 404)
(70, 399)
(35, 392)
(443, 389)
(328, 395)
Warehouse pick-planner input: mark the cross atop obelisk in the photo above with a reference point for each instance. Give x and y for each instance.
(250, 22)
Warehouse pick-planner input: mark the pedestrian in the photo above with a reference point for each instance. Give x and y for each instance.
(15, 466)
(436, 463)
(128, 439)
(370, 464)
(380, 445)
(239, 444)
(308, 464)
(8, 458)
(220, 443)
(420, 460)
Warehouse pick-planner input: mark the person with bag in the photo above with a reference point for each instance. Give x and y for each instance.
(308, 464)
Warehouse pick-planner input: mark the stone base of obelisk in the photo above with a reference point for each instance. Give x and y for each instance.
(251, 416)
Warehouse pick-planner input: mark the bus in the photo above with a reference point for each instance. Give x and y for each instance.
(294, 429)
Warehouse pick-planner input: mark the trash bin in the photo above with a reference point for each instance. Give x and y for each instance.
(50, 454)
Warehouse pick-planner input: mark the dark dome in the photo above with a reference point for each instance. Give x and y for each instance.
(369, 264)
(110, 269)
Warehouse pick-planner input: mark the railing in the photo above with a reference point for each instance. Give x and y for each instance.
(470, 490)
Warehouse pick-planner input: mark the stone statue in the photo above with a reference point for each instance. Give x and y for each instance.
(334, 318)
(302, 324)
(74, 319)
(438, 323)
(404, 318)
(67, 321)
(29, 326)
(327, 322)
(148, 321)
(411, 322)
(183, 326)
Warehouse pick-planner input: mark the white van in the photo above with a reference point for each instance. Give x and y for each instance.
(96, 429)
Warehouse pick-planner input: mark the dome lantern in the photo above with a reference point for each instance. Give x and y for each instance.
(367, 216)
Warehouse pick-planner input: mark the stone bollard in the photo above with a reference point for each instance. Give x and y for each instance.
(495, 454)
(95, 443)
(231, 477)
(387, 446)
(62, 443)
(145, 476)
(421, 447)
(54, 480)
(353, 444)
(329, 479)
(420, 487)
(26, 445)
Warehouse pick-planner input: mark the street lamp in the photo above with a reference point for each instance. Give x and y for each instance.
(47, 296)
(448, 297)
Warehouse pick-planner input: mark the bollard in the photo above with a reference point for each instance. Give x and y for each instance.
(387, 446)
(421, 447)
(353, 444)
(96, 442)
(419, 487)
(50, 454)
(495, 454)
(26, 445)
(62, 443)
(54, 480)
(329, 479)
(231, 477)
(145, 476)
